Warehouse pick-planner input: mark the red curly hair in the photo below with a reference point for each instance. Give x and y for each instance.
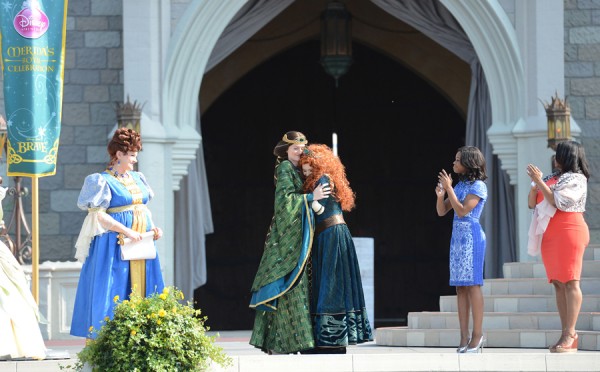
(323, 162)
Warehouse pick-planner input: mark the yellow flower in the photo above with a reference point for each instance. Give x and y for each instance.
(165, 290)
(162, 296)
(91, 328)
(133, 332)
(116, 298)
(181, 295)
(106, 319)
(174, 310)
(148, 316)
(158, 322)
(162, 313)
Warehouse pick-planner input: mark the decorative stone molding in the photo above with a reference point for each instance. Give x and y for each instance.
(203, 22)
(494, 39)
(183, 153)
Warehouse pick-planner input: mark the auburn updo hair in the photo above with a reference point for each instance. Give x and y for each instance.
(124, 140)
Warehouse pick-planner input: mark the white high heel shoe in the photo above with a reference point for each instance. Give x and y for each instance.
(462, 349)
(478, 348)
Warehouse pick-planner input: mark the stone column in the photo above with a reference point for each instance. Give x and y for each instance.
(146, 31)
(538, 24)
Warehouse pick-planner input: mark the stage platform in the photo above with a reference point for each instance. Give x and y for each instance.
(368, 357)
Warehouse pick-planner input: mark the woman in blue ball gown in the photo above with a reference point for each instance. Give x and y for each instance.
(467, 246)
(116, 203)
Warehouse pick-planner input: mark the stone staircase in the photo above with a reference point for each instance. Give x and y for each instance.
(520, 312)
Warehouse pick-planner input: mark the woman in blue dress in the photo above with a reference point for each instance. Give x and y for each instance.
(116, 203)
(467, 246)
(338, 310)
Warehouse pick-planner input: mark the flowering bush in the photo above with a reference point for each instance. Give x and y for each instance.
(156, 333)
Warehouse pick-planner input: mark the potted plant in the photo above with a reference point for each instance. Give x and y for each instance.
(157, 333)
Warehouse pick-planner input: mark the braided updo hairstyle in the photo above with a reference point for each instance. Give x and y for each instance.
(123, 140)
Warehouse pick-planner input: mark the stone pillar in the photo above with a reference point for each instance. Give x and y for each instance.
(538, 24)
(145, 38)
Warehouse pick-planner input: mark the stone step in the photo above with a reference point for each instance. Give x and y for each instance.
(521, 303)
(591, 269)
(533, 286)
(587, 321)
(510, 338)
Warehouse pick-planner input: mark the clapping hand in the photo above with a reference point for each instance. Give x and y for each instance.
(445, 180)
(534, 173)
(439, 190)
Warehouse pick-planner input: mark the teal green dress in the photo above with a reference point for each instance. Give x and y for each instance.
(280, 292)
(338, 301)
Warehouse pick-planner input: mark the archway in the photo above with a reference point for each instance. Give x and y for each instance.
(485, 23)
(380, 111)
(204, 23)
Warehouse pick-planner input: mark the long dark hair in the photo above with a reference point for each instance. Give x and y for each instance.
(472, 159)
(570, 156)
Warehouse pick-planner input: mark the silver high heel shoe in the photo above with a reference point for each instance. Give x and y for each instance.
(476, 349)
(462, 349)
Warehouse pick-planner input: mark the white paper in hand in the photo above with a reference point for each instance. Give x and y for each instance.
(141, 250)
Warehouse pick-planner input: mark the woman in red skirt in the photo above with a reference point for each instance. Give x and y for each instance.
(559, 201)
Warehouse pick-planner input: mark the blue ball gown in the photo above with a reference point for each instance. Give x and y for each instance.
(104, 274)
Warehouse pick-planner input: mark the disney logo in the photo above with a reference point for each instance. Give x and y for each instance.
(31, 21)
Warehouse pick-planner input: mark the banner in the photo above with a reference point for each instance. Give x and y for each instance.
(32, 39)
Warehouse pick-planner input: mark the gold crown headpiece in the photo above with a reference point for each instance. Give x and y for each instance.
(299, 141)
(310, 153)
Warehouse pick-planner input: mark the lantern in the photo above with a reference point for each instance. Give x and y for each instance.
(559, 121)
(336, 40)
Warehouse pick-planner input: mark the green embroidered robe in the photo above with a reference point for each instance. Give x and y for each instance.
(286, 327)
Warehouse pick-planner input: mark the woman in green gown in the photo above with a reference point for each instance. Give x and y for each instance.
(280, 292)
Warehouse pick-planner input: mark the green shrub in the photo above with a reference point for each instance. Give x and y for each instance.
(156, 333)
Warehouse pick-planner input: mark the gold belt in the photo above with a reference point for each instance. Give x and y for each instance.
(336, 219)
(130, 207)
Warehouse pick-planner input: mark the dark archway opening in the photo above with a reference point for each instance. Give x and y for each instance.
(395, 133)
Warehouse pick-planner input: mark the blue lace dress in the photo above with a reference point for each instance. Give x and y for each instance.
(337, 299)
(467, 246)
(104, 274)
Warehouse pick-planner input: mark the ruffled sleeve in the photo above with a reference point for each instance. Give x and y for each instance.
(570, 192)
(95, 198)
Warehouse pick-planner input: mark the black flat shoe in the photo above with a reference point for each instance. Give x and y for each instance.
(331, 350)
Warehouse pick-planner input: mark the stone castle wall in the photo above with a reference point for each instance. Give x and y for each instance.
(582, 89)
